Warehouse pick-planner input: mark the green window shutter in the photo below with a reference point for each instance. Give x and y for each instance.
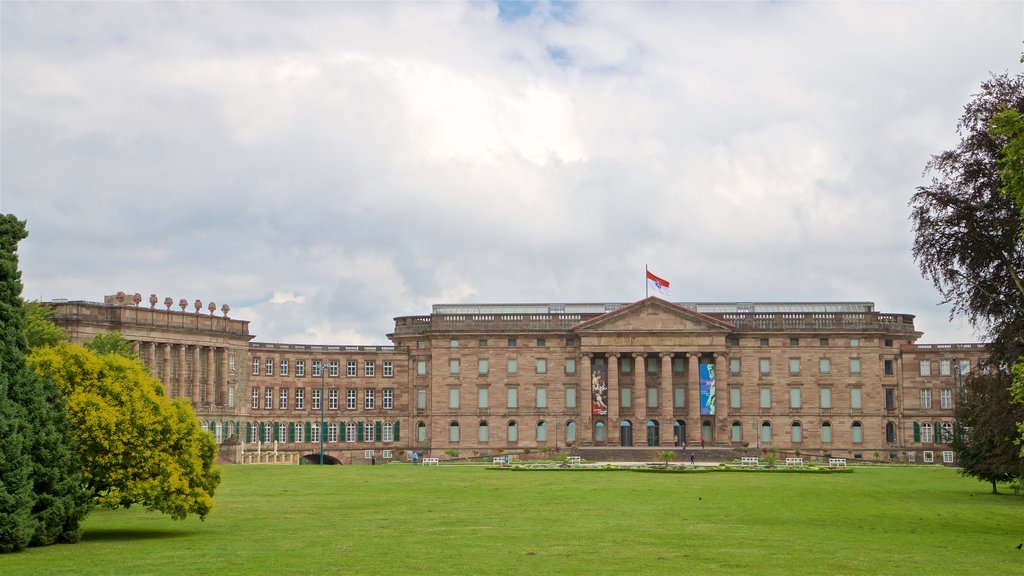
(359, 431)
(291, 432)
(938, 432)
(276, 431)
(376, 428)
(917, 432)
(308, 433)
(396, 431)
(238, 430)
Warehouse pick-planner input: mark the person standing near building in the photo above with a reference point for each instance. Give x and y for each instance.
(693, 461)
(702, 441)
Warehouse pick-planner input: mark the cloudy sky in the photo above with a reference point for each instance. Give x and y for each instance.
(325, 167)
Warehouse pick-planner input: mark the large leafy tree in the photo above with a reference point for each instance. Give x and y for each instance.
(968, 233)
(137, 445)
(987, 424)
(42, 496)
(39, 330)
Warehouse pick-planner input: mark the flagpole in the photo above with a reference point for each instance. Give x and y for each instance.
(647, 285)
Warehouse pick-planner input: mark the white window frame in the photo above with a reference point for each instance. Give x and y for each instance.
(350, 432)
(269, 367)
(318, 368)
(389, 370)
(268, 398)
(946, 398)
(255, 366)
(282, 399)
(332, 395)
(300, 367)
(926, 367)
(926, 398)
(333, 368)
(298, 433)
(256, 397)
(369, 368)
(369, 432)
(283, 370)
(928, 457)
(369, 399)
(351, 368)
(351, 399)
(314, 398)
(300, 398)
(947, 456)
(387, 432)
(388, 399)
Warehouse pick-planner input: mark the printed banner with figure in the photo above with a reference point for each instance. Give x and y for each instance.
(599, 389)
(707, 389)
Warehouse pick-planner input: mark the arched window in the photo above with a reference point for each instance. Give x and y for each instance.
(268, 432)
(570, 431)
(332, 432)
(795, 432)
(737, 431)
(858, 433)
(890, 432)
(218, 432)
(421, 432)
(826, 432)
(766, 431)
(350, 432)
(600, 434)
(513, 431)
(926, 432)
(453, 432)
(387, 434)
(542, 431)
(947, 433)
(484, 433)
(368, 432)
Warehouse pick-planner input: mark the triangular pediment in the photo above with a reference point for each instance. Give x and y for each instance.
(654, 315)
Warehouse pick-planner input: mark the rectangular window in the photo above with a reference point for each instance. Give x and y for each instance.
(318, 368)
(511, 342)
(453, 398)
(794, 397)
(513, 366)
(678, 397)
(370, 368)
(542, 366)
(269, 367)
(298, 432)
(282, 399)
(314, 395)
(512, 399)
(268, 399)
(300, 367)
(300, 398)
(421, 399)
(483, 398)
(766, 366)
(570, 342)
(570, 397)
(389, 398)
(825, 366)
(369, 399)
(734, 365)
(652, 365)
(626, 397)
(453, 366)
(350, 398)
(482, 343)
(332, 432)
(945, 368)
(652, 397)
(541, 343)
(483, 366)
(926, 367)
(678, 365)
(946, 398)
(255, 366)
(389, 369)
(926, 398)
(854, 342)
(888, 342)
(855, 398)
(314, 432)
(570, 366)
(332, 394)
(626, 365)
(735, 398)
(284, 368)
(333, 368)
(766, 397)
(542, 397)
(888, 367)
(794, 341)
(421, 367)
(764, 342)
(826, 398)
(351, 368)
(823, 342)
(854, 365)
(890, 398)
(256, 398)
(794, 366)
(453, 343)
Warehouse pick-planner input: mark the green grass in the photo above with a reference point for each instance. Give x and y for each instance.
(397, 519)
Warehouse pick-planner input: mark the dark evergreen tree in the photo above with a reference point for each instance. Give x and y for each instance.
(59, 499)
(986, 429)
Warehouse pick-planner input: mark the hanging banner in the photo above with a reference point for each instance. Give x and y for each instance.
(599, 390)
(707, 389)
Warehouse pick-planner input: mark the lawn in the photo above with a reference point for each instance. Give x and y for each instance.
(400, 519)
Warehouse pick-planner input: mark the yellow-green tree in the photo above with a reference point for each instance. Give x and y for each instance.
(137, 445)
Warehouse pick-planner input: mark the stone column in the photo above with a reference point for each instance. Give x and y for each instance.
(640, 396)
(585, 429)
(196, 380)
(166, 374)
(693, 397)
(211, 374)
(182, 369)
(224, 380)
(136, 349)
(151, 359)
(667, 400)
(613, 398)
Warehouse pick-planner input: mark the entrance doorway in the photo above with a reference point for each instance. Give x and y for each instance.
(626, 433)
(706, 430)
(652, 433)
(679, 433)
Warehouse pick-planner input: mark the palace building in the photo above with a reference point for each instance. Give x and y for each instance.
(826, 378)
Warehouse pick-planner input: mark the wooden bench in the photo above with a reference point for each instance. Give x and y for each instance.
(837, 462)
(429, 461)
(749, 461)
(799, 462)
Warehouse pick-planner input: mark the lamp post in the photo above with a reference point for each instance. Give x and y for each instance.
(322, 414)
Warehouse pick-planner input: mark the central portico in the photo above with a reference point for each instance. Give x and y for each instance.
(643, 366)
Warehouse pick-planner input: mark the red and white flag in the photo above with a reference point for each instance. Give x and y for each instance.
(660, 285)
